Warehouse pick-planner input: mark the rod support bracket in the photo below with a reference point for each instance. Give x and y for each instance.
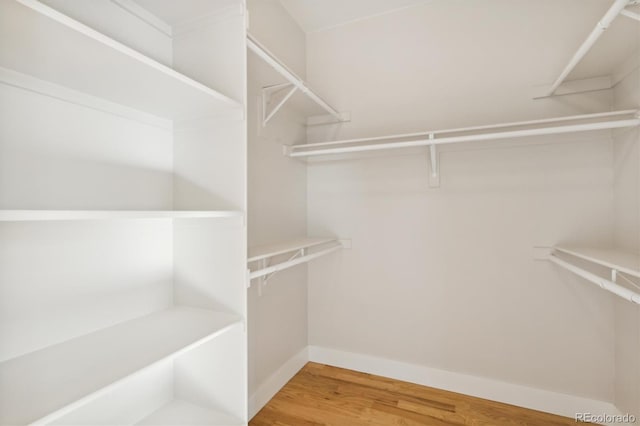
(434, 164)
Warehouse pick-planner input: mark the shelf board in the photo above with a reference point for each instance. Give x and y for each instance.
(39, 41)
(625, 262)
(54, 215)
(51, 382)
(270, 250)
(179, 412)
(550, 126)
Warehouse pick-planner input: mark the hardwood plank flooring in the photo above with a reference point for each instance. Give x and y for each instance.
(320, 395)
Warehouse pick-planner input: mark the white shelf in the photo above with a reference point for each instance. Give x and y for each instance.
(184, 413)
(434, 138)
(68, 53)
(55, 215)
(625, 262)
(293, 80)
(51, 382)
(270, 250)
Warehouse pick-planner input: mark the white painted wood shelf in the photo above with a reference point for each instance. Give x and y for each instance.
(51, 382)
(184, 413)
(269, 250)
(72, 215)
(621, 261)
(68, 53)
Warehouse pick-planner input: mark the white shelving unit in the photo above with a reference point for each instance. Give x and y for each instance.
(125, 319)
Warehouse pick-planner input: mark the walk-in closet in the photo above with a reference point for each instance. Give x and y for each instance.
(304, 212)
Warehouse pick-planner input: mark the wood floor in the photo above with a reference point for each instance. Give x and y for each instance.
(321, 395)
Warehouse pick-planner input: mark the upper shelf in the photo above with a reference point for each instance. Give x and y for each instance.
(625, 262)
(294, 83)
(51, 382)
(37, 40)
(270, 250)
(50, 215)
(570, 124)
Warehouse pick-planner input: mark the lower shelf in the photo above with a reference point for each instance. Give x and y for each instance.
(49, 383)
(184, 413)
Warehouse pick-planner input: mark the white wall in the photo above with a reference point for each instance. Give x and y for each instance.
(627, 236)
(277, 204)
(445, 277)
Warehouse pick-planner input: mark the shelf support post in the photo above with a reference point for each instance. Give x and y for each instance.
(434, 164)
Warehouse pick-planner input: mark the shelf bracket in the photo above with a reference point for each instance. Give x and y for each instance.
(267, 93)
(434, 164)
(297, 254)
(262, 281)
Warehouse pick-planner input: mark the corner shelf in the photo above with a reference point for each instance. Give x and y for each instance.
(179, 412)
(68, 53)
(57, 215)
(48, 383)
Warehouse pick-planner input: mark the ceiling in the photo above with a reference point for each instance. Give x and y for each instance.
(177, 12)
(316, 15)
(617, 44)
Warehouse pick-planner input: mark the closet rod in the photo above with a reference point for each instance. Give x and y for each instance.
(605, 284)
(294, 262)
(298, 150)
(283, 70)
(436, 133)
(602, 25)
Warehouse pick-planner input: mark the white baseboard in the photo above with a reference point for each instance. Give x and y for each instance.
(276, 381)
(536, 399)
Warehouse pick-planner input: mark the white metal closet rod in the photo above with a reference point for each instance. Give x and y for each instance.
(605, 284)
(295, 150)
(282, 69)
(611, 14)
(439, 132)
(291, 263)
